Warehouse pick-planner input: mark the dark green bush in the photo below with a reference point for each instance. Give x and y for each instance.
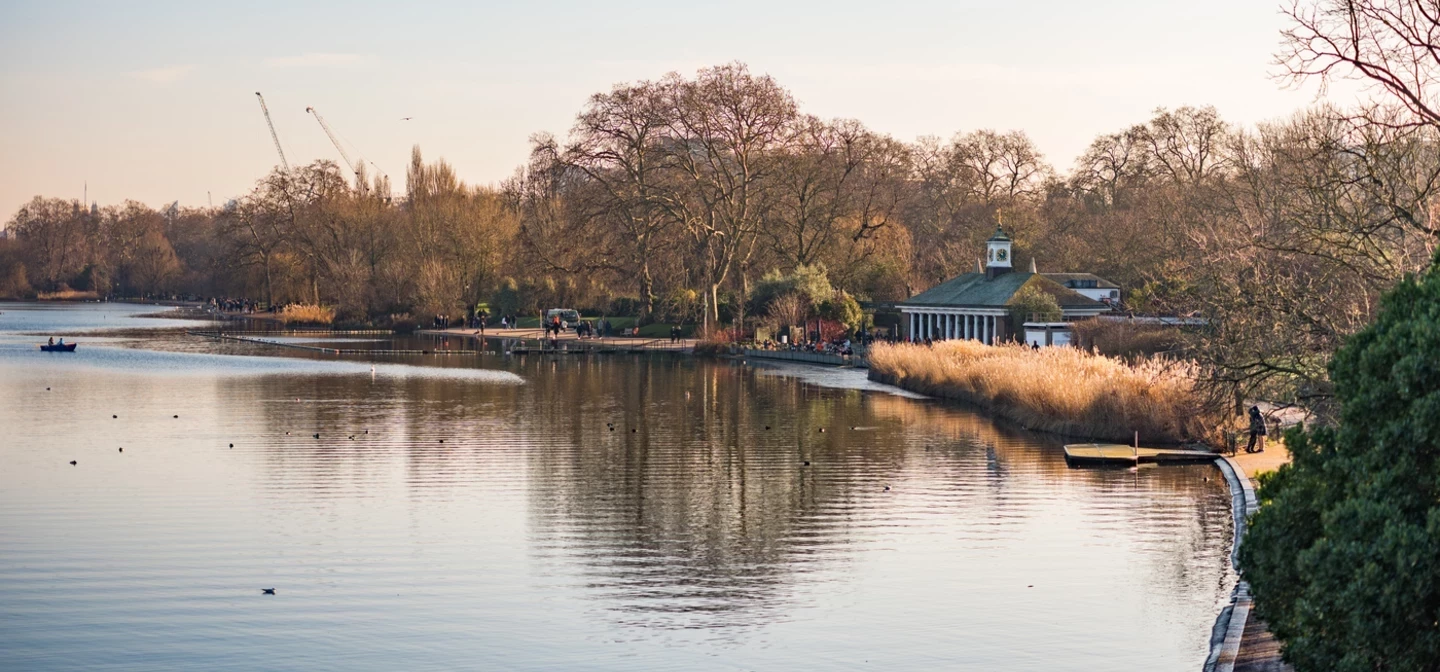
(1344, 555)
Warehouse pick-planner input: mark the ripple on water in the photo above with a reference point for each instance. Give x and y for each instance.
(534, 538)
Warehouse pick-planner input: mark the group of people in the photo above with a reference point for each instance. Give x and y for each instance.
(224, 305)
(840, 346)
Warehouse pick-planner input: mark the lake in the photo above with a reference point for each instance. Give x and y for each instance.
(478, 512)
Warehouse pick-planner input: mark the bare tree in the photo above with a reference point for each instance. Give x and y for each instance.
(724, 138)
(616, 144)
(1392, 44)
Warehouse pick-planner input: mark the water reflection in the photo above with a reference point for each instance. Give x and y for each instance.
(481, 509)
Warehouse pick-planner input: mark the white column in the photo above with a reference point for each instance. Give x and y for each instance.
(911, 333)
(930, 326)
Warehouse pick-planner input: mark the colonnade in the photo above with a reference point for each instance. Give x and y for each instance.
(947, 326)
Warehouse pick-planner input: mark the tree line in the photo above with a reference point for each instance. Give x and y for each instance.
(674, 199)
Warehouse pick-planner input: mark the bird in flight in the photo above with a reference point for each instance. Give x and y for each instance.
(406, 118)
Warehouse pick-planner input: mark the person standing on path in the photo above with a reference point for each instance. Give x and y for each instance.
(1257, 431)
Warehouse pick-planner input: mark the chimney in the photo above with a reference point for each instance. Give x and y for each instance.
(979, 266)
(1032, 265)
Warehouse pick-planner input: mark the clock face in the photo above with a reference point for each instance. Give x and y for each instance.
(1000, 255)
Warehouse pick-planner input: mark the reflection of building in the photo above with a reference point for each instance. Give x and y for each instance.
(980, 305)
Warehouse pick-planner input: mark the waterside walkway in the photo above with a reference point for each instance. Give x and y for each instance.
(1248, 645)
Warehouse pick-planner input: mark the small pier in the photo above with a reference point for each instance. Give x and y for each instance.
(1120, 455)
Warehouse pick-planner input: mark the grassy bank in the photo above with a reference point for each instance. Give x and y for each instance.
(1060, 390)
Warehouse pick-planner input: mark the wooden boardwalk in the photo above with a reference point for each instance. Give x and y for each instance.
(1102, 454)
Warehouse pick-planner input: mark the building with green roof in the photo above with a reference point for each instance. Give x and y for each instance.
(979, 305)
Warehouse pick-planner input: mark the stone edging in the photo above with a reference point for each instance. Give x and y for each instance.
(1232, 619)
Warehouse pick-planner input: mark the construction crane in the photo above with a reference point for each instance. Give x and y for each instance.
(354, 167)
(273, 135)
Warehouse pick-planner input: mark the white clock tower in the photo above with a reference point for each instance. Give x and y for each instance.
(997, 254)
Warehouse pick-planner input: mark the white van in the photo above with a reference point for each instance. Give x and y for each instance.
(569, 317)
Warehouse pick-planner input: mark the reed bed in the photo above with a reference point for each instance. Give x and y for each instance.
(307, 314)
(1061, 390)
(68, 295)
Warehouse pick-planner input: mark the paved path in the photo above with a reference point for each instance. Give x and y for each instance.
(1249, 646)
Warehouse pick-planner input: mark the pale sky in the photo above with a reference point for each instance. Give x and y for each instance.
(156, 100)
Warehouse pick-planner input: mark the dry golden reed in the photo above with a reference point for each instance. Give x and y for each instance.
(307, 314)
(68, 295)
(1061, 390)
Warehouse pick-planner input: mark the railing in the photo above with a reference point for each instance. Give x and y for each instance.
(810, 357)
(588, 346)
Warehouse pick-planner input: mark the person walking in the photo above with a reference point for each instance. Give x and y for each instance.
(1257, 431)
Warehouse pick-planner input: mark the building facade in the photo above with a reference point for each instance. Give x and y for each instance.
(979, 305)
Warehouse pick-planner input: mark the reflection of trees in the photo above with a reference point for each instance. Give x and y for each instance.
(702, 518)
(1190, 505)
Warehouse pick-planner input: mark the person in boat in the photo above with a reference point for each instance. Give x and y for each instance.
(62, 340)
(52, 340)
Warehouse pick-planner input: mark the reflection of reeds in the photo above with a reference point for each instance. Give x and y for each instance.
(1061, 390)
(307, 314)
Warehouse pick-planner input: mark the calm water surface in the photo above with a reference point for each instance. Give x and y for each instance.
(478, 513)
